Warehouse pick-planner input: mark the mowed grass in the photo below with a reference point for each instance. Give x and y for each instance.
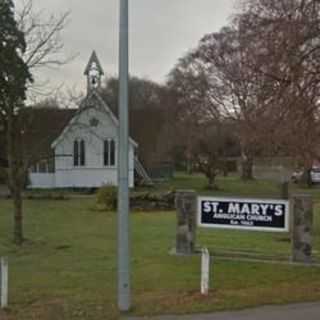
(67, 269)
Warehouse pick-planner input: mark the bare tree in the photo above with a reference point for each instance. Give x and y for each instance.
(202, 124)
(190, 104)
(214, 146)
(213, 82)
(145, 106)
(44, 43)
(43, 46)
(262, 71)
(286, 39)
(237, 90)
(43, 36)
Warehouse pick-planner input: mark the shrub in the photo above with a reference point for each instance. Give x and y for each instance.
(107, 197)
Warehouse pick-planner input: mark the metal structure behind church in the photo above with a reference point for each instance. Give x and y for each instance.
(124, 299)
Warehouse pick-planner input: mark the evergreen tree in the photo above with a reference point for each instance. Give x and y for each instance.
(14, 76)
(13, 71)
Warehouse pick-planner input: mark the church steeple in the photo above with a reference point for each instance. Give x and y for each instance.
(94, 72)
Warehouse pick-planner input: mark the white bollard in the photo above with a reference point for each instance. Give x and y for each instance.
(205, 271)
(4, 282)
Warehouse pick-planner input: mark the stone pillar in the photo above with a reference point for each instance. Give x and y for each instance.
(302, 217)
(186, 205)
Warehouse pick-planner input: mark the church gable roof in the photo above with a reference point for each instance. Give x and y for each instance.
(92, 100)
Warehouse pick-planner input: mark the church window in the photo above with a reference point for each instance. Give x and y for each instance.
(82, 153)
(109, 153)
(112, 153)
(106, 153)
(76, 153)
(79, 153)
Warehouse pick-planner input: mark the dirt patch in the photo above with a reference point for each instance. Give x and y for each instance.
(43, 310)
(5, 315)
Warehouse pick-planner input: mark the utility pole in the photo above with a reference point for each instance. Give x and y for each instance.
(124, 300)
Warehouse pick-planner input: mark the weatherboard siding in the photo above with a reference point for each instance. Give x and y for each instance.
(90, 178)
(42, 180)
(93, 173)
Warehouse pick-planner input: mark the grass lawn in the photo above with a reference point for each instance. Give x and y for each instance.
(67, 270)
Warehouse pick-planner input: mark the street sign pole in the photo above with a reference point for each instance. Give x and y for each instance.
(123, 163)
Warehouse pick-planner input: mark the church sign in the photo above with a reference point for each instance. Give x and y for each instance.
(243, 214)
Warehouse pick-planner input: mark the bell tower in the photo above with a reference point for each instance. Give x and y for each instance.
(94, 72)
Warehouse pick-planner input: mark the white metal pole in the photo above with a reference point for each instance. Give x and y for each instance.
(124, 300)
(4, 282)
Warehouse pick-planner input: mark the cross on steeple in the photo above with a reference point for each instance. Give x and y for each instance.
(93, 72)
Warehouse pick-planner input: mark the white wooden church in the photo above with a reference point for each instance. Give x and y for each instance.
(84, 153)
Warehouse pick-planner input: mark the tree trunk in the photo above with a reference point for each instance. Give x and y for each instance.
(305, 180)
(247, 168)
(189, 166)
(16, 178)
(284, 190)
(211, 181)
(18, 217)
(225, 169)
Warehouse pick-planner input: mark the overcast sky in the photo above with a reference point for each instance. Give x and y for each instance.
(161, 31)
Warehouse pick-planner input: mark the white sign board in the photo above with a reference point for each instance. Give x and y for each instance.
(243, 214)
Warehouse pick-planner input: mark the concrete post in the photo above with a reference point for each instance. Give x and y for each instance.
(205, 271)
(302, 228)
(3, 282)
(186, 205)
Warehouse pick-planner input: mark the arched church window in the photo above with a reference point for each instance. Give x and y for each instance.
(109, 153)
(79, 153)
(76, 153)
(82, 153)
(112, 153)
(106, 152)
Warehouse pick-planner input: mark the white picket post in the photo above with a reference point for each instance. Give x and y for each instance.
(4, 282)
(205, 271)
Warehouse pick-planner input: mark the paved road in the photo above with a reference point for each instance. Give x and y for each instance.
(307, 311)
